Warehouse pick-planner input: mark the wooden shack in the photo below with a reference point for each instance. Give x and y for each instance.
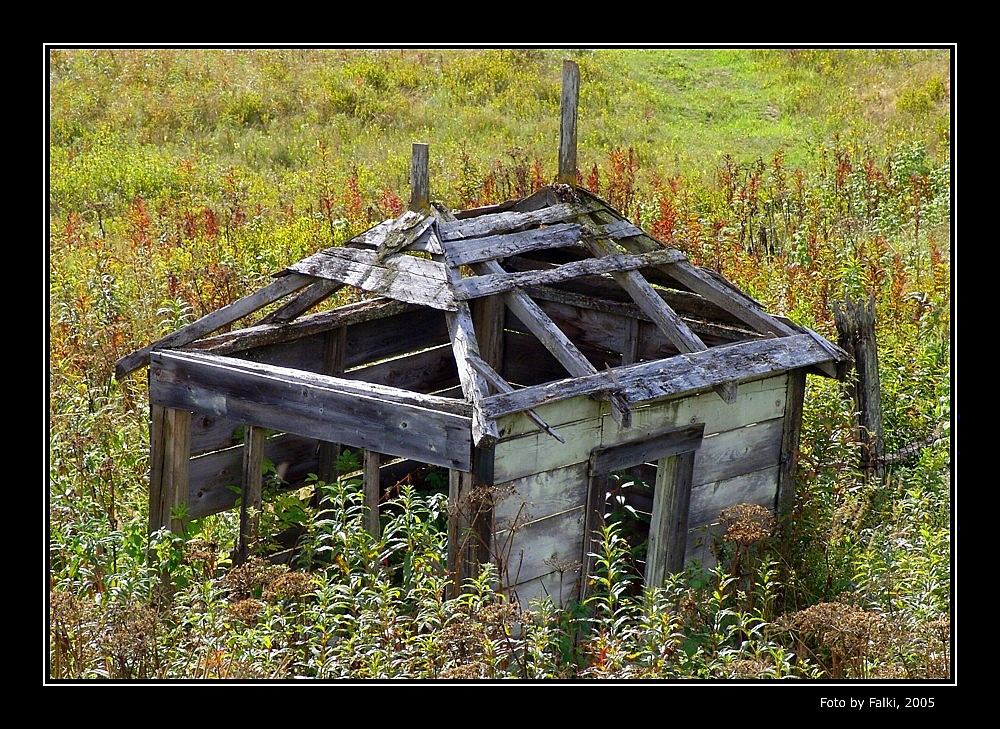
(538, 349)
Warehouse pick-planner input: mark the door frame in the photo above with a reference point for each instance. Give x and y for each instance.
(673, 449)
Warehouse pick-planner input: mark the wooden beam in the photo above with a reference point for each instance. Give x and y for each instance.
(372, 485)
(668, 528)
(462, 332)
(493, 247)
(506, 222)
(855, 322)
(313, 295)
(501, 385)
(551, 336)
(157, 450)
(457, 527)
(357, 414)
(420, 179)
(262, 335)
(650, 448)
(403, 277)
(791, 430)
(567, 123)
(496, 283)
(169, 474)
(334, 353)
(673, 376)
(251, 494)
(275, 290)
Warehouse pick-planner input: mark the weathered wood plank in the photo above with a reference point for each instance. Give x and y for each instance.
(741, 450)
(263, 334)
(567, 123)
(560, 588)
(372, 487)
(709, 499)
(314, 294)
(496, 283)
(666, 443)
(791, 430)
(668, 527)
(540, 547)
(213, 475)
(420, 177)
(402, 277)
(174, 479)
(157, 451)
(216, 320)
(327, 408)
(540, 495)
(670, 377)
(475, 250)
(250, 492)
(334, 360)
(505, 222)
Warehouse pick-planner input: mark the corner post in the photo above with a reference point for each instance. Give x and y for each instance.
(567, 125)
(420, 185)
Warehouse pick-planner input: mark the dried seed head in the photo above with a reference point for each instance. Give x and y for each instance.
(746, 523)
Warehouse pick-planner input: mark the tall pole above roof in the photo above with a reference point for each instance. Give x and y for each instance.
(420, 183)
(567, 126)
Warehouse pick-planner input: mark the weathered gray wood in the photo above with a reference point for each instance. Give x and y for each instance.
(740, 450)
(560, 587)
(173, 482)
(709, 499)
(403, 234)
(372, 486)
(630, 341)
(334, 355)
(488, 315)
(540, 495)
(216, 320)
(593, 524)
(157, 451)
(465, 252)
(213, 475)
(791, 429)
(199, 361)
(536, 201)
(650, 448)
(595, 331)
(315, 293)
(558, 344)
(648, 381)
(462, 332)
(500, 385)
(506, 222)
(668, 527)
(456, 528)
(496, 283)
(261, 335)
(420, 177)
(856, 335)
(527, 362)
(250, 496)
(567, 123)
(670, 324)
(327, 408)
(402, 277)
(621, 313)
(539, 547)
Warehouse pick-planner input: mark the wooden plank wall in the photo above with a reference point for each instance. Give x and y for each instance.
(409, 350)
(542, 484)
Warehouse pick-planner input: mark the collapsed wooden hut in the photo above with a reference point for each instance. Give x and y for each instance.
(556, 359)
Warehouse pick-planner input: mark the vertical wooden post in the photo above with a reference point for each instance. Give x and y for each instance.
(592, 523)
(668, 526)
(458, 523)
(372, 479)
(630, 341)
(252, 485)
(170, 440)
(420, 184)
(488, 315)
(791, 428)
(567, 125)
(334, 347)
(856, 334)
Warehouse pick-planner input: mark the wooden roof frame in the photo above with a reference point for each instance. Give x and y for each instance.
(555, 218)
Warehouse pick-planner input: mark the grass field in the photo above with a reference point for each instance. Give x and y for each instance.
(180, 180)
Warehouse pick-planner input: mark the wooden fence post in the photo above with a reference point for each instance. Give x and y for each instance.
(420, 183)
(856, 335)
